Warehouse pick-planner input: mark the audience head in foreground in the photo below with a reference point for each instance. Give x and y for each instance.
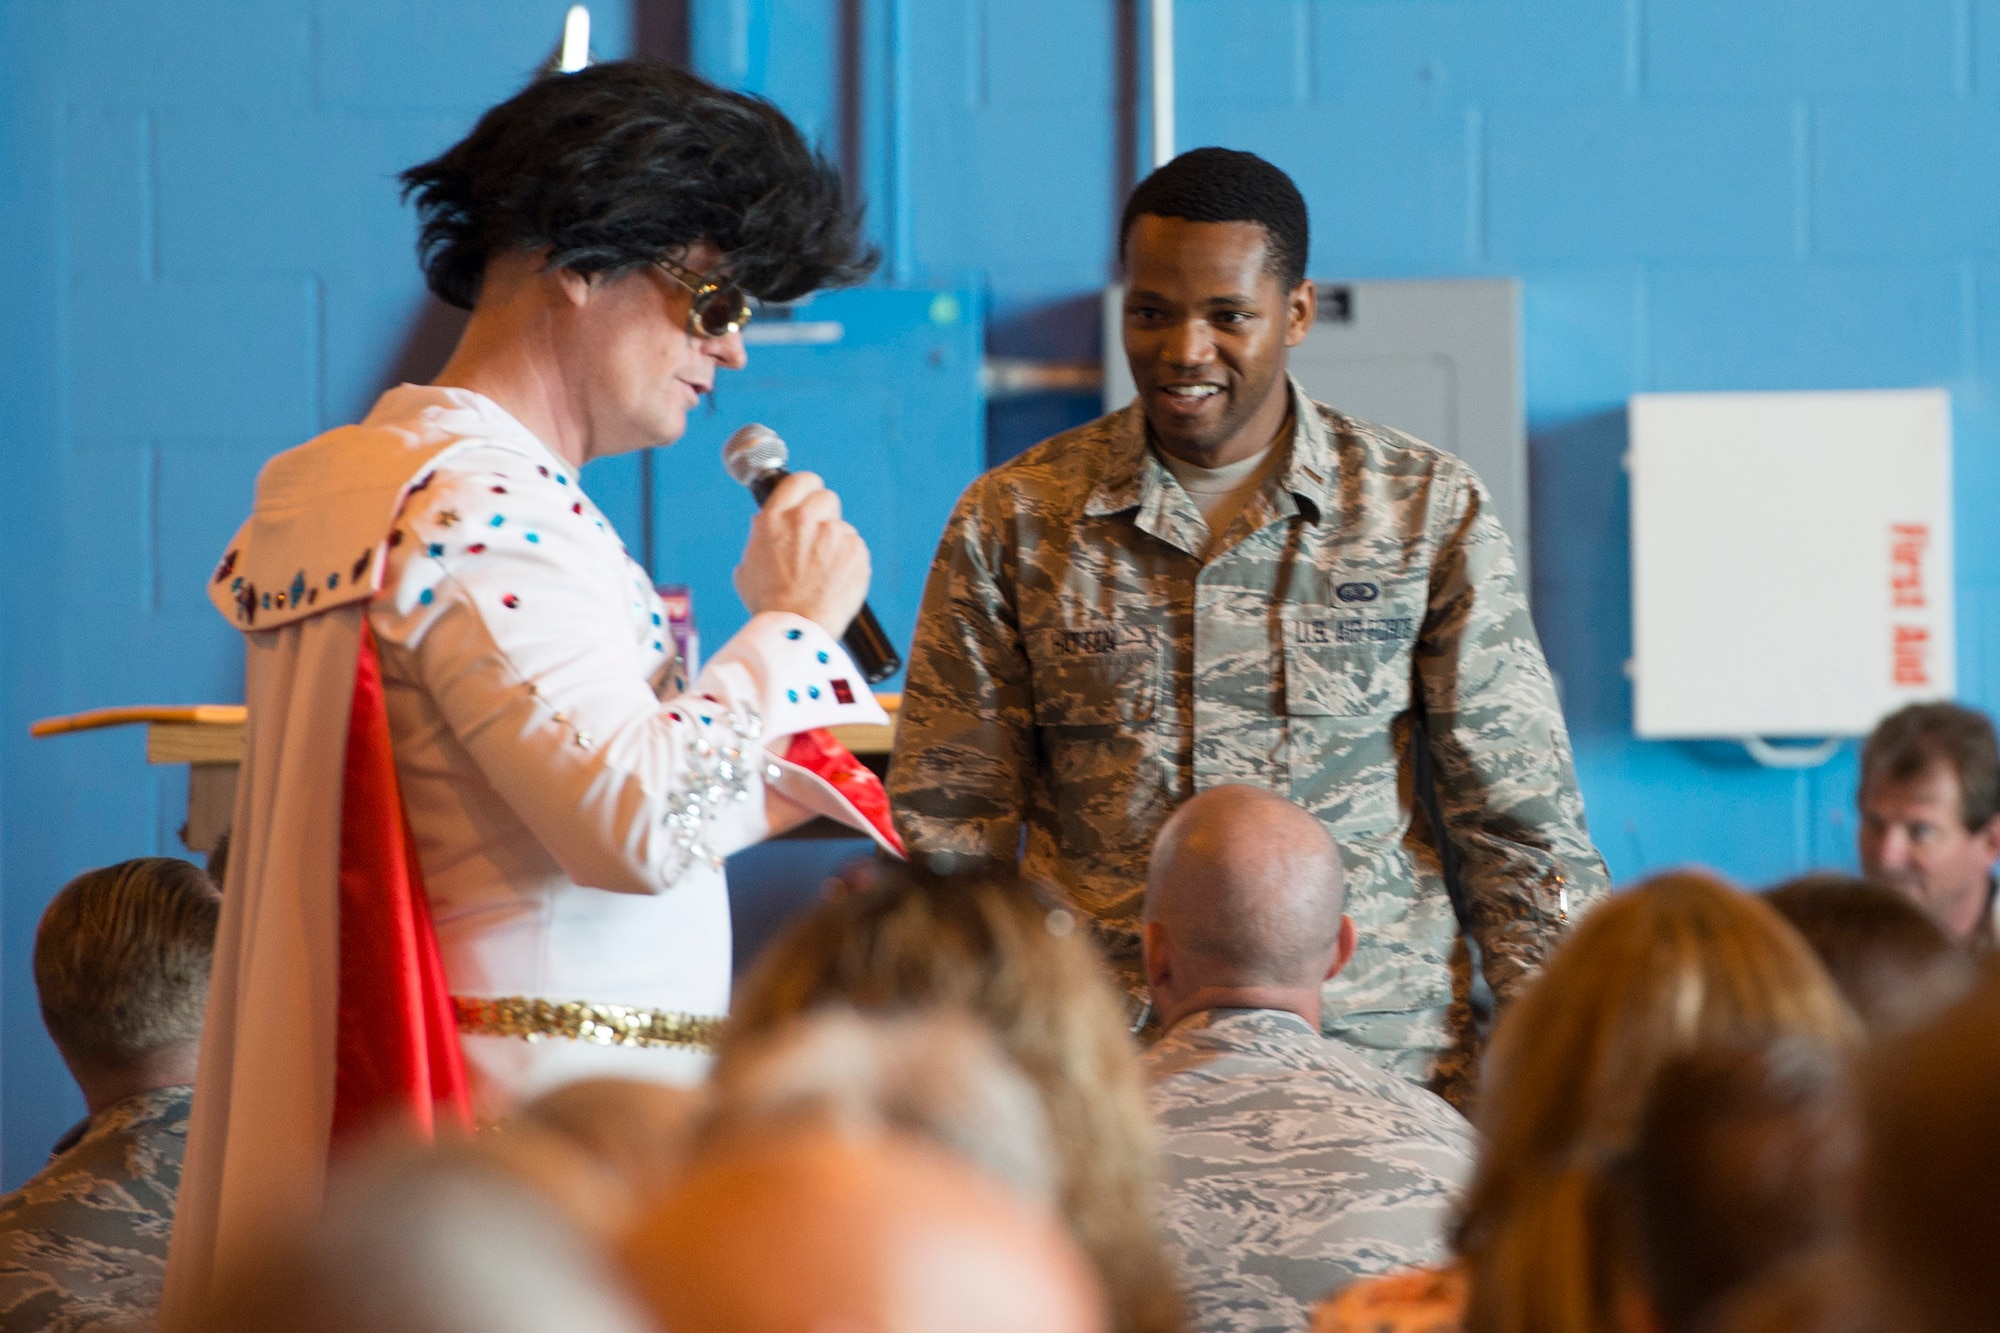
(938, 1077)
(475, 1237)
(1292, 1165)
(1742, 1162)
(1676, 963)
(121, 967)
(1890, 958)
(1931, 1169)
(986, 944)
(1930, 813)
(1245, 907)
(819, 1230)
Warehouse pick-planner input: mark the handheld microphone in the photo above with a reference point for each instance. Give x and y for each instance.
(755, 457)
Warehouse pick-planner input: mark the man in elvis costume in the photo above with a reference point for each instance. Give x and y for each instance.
(482, 814)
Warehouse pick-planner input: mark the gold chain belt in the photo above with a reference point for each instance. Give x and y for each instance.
(601, 1024)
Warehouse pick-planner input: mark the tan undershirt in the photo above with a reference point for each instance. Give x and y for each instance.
(1221, 493)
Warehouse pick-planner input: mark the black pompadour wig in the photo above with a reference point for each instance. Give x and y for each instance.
(1225, 185)
(624, 163)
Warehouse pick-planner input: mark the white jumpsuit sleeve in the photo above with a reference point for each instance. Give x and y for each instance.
(537, 639)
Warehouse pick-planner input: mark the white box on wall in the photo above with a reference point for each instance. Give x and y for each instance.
(1791, 561)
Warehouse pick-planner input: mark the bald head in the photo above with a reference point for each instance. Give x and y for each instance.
(1245, 890)
(815, 1230)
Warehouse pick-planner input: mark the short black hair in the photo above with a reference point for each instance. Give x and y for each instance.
(1890, 958)
(1908, 742)
(1226, 185)
(624, 163)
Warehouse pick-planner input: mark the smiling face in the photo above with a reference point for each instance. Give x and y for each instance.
(626, 343)
(1207, 328)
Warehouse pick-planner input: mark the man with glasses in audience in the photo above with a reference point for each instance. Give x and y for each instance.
(1930, 814)
(479, 843)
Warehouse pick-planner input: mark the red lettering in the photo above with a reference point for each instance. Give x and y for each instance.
(1910, 655)
(1907, 544)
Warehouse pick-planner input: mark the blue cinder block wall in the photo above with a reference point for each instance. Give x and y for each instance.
(205, 262)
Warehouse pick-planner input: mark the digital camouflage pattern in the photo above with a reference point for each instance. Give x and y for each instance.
(1078, 671)
(83, 1245)
(1291, 1166)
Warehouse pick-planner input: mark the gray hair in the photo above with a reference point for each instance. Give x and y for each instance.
(940, 1076)
(122, 958)
(451, 1240)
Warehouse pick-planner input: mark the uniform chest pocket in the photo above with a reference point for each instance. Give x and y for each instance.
(1345, 666)
(1094, 677)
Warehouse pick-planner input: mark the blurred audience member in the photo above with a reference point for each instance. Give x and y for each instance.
(1930, 814)
(815, 1230)
(121, 965)
(1931, 1169)
(939, 1077)
(1743, 1159)
(1818, 1291)
(1891, 959)
(1292, 1164)
(1675, 963)
(988, 945)
(452, 1240)
(602, 1147)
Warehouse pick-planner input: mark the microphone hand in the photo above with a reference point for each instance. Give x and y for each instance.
(802, 557)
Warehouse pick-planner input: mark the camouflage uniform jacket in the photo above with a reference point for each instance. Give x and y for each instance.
(1079, 670)
(83, 1245)
(1293, 1166)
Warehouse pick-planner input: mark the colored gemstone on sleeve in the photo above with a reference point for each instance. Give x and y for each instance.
(843, 692)
(576, 508)
(476, 548)
(812, 691)
(425, 597)
(656, 617)
(535, 537)
(510, 601)
(792, 634)
(496, 520)
(437, 548)
(822, 656)
(793, 695)
(499, 490)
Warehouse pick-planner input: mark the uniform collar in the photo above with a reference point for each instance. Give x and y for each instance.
(1133, 477)
(1265, 1022)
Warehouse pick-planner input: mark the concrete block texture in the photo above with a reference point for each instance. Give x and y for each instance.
(1639, 180)
(1818, 48)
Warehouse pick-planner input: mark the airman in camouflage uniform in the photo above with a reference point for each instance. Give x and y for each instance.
(1292, 1166)
(83, 1245)
(1080, 669)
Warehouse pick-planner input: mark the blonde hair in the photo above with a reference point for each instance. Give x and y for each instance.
(986, 944)
(122, 957)
(1677, 962)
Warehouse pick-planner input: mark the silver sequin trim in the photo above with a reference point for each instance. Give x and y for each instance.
(715, 774)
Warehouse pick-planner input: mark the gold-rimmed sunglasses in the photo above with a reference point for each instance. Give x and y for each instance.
(717, 306)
